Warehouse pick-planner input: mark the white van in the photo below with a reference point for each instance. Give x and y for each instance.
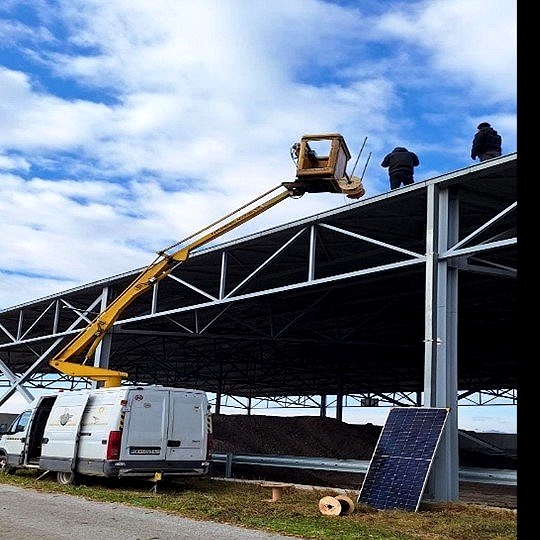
(151, 432)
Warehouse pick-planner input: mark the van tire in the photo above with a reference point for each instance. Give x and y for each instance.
(4, 468)
(67, 478)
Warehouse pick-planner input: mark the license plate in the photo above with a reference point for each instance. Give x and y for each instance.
(138, 451)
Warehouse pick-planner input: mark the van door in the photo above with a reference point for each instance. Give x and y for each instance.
(164, 424)
(145, 425)
(186, 437)
(22, 442)
(61, 435)
(34, 439)
(15, 440)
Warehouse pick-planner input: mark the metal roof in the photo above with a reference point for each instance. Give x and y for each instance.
(330, 304)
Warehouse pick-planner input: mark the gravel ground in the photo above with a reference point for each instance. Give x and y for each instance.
(30, 515)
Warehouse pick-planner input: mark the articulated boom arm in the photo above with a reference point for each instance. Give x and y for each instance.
(89, 339)
(315, 174)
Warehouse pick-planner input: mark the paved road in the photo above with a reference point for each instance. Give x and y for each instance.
(28, 515)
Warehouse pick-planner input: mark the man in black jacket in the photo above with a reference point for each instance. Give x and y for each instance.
(486, 143)
(401, 164)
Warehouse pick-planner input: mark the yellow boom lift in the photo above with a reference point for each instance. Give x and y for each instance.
(315, 173)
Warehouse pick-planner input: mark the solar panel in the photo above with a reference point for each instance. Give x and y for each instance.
(398, 470)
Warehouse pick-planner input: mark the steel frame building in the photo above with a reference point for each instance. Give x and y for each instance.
(405, 298)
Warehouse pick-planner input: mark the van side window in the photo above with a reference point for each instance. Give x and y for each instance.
(21, 422)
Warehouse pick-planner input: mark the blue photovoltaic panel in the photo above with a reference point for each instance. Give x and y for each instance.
(399, 468)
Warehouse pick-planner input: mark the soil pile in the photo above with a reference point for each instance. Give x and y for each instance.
(313, 436)
(299, 436)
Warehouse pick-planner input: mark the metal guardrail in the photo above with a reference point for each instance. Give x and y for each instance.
(504, 477)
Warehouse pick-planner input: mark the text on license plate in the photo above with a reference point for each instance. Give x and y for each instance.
(141, 451)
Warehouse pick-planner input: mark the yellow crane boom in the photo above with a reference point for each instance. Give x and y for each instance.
(315, 174)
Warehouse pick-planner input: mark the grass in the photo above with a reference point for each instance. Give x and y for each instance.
(296, 513)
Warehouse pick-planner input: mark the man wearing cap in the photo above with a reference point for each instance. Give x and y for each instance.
(486, 143)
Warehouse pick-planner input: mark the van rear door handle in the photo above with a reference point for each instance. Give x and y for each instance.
(173, 443)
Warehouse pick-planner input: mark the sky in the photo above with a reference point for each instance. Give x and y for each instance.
(127, 126)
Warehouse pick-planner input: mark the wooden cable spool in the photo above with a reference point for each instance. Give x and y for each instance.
(339, 505)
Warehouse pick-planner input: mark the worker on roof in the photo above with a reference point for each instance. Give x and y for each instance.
(486, 143)
(400, 163)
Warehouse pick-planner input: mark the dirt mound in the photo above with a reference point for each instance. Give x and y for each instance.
(298, 436)
(314, 436)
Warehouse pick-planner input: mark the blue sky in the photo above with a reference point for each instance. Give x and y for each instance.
(127, 126)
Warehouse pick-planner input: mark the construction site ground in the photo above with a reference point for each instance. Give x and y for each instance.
(330, 438)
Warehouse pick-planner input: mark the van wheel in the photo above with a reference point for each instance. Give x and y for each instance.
(66, 478)
(4, 468)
